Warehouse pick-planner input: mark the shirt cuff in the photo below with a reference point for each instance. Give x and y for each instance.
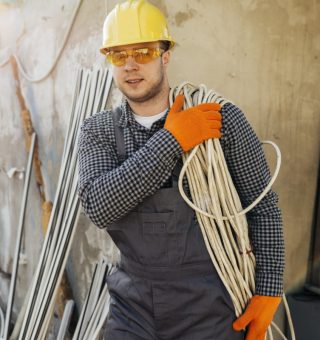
(269, 284)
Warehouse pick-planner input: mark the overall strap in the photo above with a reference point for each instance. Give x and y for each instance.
(176, 172)
(121, 151)
(118, 131)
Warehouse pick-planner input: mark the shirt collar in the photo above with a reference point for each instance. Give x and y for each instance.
(127, 118)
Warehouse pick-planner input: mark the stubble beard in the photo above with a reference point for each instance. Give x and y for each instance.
(149, 93)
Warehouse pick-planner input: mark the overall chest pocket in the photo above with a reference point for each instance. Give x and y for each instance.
(150, 238)
(161, 240)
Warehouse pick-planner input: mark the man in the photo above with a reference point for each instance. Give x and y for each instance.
(129, 162)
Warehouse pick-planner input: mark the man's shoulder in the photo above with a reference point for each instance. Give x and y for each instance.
(230, 110)
(99, 120)
(232, 115)
(233, 121)
(99, 126)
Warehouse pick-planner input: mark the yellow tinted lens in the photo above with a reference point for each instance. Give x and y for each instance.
(117, 58)
(140, 55)
(145, 55)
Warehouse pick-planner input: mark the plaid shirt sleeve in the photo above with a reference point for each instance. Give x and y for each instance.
(250, 173)
(108, 191)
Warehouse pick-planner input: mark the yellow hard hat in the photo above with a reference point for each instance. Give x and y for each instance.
(132, 22)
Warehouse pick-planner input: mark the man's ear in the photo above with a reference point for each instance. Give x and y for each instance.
(166, 58)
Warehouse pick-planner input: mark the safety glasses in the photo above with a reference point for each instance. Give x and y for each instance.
(141, 55)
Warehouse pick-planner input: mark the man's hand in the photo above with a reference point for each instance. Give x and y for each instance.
(193, 126)
(258, 315)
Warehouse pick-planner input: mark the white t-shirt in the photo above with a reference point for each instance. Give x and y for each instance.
(148, 121)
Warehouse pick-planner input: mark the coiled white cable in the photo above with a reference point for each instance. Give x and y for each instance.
(45, 75)
(218, 208)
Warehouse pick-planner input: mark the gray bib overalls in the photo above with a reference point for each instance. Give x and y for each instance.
(166, 286)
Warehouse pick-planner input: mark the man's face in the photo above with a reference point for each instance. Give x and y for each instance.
(141, 82)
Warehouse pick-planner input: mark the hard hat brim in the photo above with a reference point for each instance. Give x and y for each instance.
(104, 49)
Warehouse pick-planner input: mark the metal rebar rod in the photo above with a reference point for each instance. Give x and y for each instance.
(73, 105)
(84, 307)
(94, 296)
(49, 280)
(106, 91)
(1, 324)
(74, 222)
(65, 320)
(54, 278)
(19, 237)
(100, 89)
(96, 314)
(103, 318)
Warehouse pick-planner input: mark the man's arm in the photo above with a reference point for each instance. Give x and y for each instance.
(108, 191)
(250, 174)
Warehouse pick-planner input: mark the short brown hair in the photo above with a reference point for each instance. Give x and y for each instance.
(165, 45)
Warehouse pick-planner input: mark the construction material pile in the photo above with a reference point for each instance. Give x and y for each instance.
(90, 96)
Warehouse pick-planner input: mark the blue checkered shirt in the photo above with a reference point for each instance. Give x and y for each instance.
(108, 191)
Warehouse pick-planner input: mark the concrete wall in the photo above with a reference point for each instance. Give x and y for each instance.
(263, 55)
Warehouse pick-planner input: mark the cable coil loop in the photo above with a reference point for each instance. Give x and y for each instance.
(218, 208)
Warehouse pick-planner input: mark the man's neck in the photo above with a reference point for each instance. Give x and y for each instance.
(151, 107)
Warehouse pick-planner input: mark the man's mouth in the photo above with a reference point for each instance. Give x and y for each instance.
(134, 81)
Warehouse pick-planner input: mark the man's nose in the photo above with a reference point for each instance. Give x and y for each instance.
(130, 64)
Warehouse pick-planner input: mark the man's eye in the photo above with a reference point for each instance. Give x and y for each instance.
(142, 51)
(121, 54)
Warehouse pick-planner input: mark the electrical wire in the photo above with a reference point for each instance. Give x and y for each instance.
(254, 203)
(218, 208)
(45, 75)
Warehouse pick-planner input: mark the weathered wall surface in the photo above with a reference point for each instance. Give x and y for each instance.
(263, 55)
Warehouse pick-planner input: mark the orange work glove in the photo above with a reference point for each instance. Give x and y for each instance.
(259, 314)
(193, 126)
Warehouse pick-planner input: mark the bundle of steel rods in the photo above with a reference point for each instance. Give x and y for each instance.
(19, 235)
(90, 96)
(96, 305)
